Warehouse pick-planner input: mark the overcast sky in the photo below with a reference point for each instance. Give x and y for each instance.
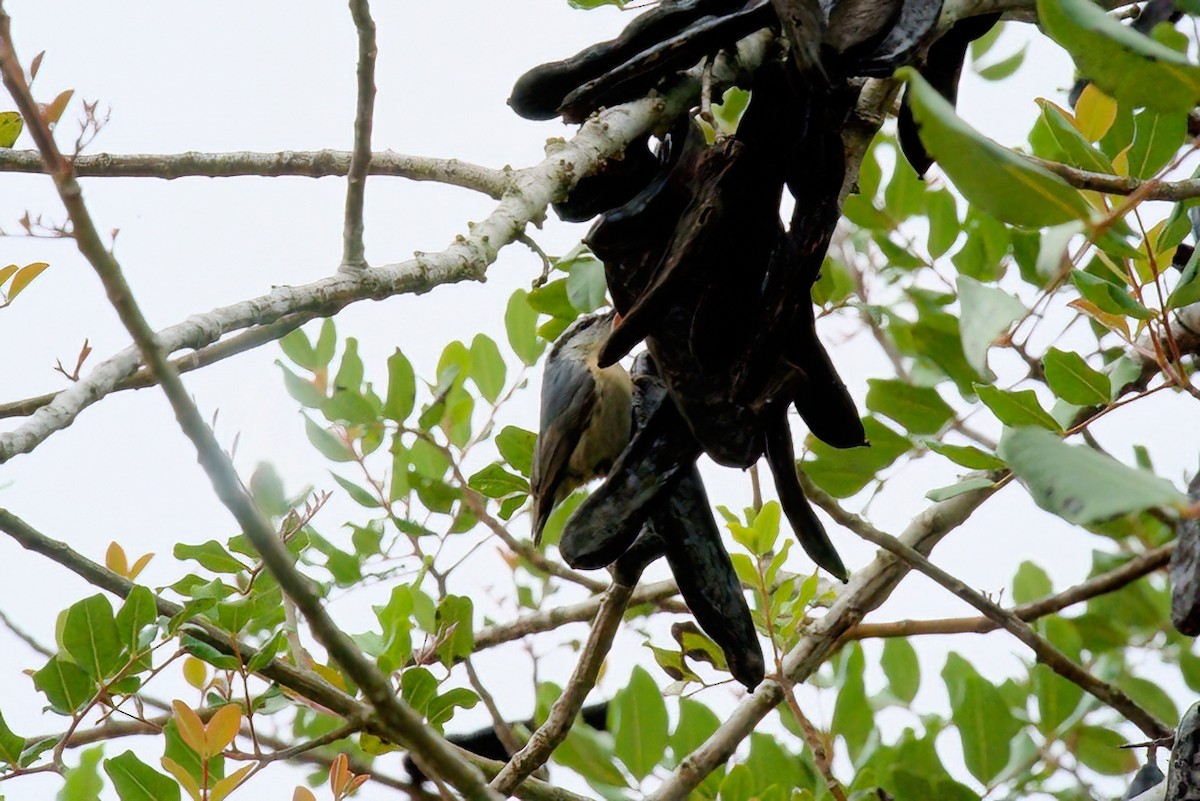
(271, 76)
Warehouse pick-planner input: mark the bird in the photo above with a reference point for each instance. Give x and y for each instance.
(585, 416)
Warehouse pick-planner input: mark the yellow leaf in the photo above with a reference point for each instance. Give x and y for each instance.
(195, 672)
(1121, 162)
(114, 559)
(303, 794)
(139, 565)
(227, 785)
(183, 777)
(53, 112)
(330, 675)
(1094, 113)
(7, 273)
(1113, 322)
(10, 128)
(191, 728)
(25, 277)
(222, 728)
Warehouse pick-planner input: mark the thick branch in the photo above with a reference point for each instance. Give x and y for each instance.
(295, 163)
(353, 253)
(1105, 583)
(562, 715)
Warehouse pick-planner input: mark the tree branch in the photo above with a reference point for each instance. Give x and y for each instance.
(353, 253)
(1111, 581)
(1148, 188)
(562, 715)
(143, 378)
(1046, 653)
(290, 163)
(431, 748)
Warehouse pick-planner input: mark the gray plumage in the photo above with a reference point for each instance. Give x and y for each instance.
(585, 417)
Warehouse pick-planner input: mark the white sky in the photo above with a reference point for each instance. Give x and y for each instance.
(273, 75)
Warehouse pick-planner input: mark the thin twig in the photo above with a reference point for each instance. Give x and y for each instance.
(353, 252)
(551, 733)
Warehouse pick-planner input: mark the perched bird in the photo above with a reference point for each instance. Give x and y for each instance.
(585, 416)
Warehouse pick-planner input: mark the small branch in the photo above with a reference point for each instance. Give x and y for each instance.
(562, 715)
(1105, 583)
(143, 378)
(503, 729)
(24, 637)
(1046, 653)
(353, 253)
(1147, 188)
(286, 163)
(538, 622)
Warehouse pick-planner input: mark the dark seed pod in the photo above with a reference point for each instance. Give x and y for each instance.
(607, 523)
(805, 523)
(943, 67)
(914, 27)
(614, 184)
(539, 92)
(1185, 571)
(643, 71)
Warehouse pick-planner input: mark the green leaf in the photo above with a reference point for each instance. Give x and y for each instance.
(959, 488)
(1016, 408)
(487, 367)
(496, 482)
(134, 780)
(900, 665)
(1071, 379)
(1157, 137)
(402, 388)
(640, 731)
(11, 745)
(297, 348)
(1003, 68)
(520, 322)
(441, 709)
(921, 410)
(454, 618)
(1077, 149)
(361, 495)
(202, 650)
(1108, 297)
(987, 312)
(843, 472)
(303, 391)
(90, 636)
(326, 343)
(1187, 291)
(138, 612)
(11, 126)
(586, 284)
(83, 782)
(330, 446)
(1057, 698)
(905, 192)
(937, 336)
(991, 177)
(349, 407)
(1080, 484)
(397, 628)
(1030, 583)
(944, 226)
(966, 455)
(350, 371)
(1118, 59)
(64, 684)
(852, 715)
(985, 723)
(1100, 749)
(211, 555)
(1152, 697)
(696, 724)
(516, 446)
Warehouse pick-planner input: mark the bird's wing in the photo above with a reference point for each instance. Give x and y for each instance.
(568, 398)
